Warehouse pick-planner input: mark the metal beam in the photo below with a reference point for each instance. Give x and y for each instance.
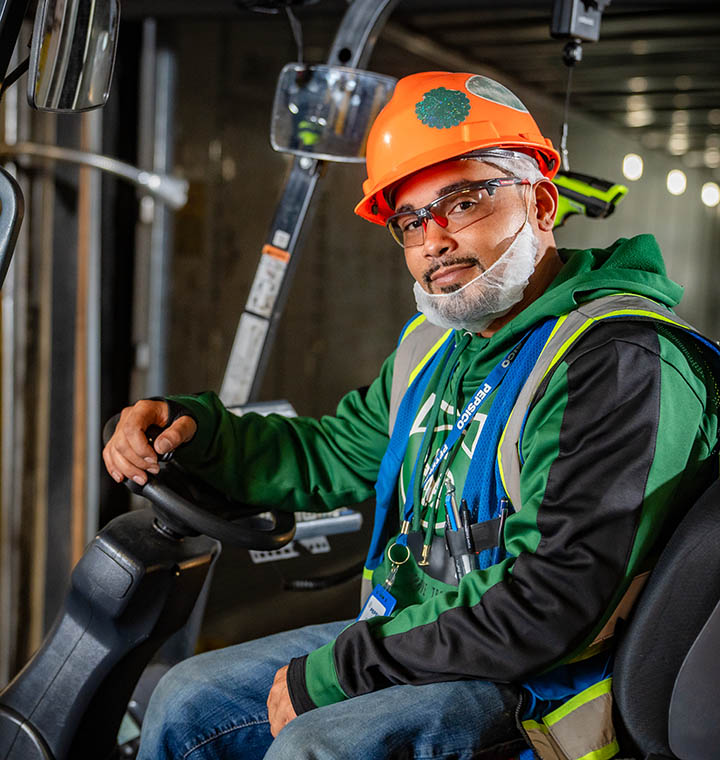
(491, 21)
(42, 205)
(549, 52)
(167, 189)
(13, 389)
(153, 236)
(87, 423)
(161, 237)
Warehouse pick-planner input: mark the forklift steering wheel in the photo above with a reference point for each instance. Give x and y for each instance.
(175, 496)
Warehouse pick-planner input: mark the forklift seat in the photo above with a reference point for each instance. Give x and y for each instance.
(666, 680)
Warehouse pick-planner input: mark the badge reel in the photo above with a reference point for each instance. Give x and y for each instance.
(381, 601)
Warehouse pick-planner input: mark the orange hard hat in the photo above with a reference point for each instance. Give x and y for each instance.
(436, 116)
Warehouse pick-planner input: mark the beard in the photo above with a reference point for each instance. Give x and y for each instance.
(490, 295)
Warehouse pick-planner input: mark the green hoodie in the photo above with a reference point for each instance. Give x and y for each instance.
(617, 442)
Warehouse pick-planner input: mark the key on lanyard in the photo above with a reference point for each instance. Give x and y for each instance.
(395, 562)
(381, 601)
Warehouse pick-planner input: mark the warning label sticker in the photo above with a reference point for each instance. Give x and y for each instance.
(266, 285)
(244, 359)
(281, 239)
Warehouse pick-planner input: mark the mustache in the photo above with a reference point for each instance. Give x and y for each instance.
(427, 276)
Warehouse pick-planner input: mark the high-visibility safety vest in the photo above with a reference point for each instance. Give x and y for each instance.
(581, 728)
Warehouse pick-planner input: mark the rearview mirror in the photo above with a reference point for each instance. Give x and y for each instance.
(72, 54)
(325, 111)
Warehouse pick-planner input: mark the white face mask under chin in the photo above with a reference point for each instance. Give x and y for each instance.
(490, 295)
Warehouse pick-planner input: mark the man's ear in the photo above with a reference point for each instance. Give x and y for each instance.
(546, 204)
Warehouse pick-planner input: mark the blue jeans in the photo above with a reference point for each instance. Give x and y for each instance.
(212, 707)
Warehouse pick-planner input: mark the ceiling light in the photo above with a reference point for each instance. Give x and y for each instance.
(681, 118)
(712, 157)
(683, 82)
(640, 47)
(632, 166)
(676, 182)
(710, 194)
(678, 143)
(639, 118)
(681, 100)
(638, 84)
(637, 103)
(714, 116)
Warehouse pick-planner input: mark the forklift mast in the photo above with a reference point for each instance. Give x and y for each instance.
(352, 47)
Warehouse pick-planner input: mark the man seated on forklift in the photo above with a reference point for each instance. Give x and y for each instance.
(540, 426)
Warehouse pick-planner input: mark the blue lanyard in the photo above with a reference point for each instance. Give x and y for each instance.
(492, 381)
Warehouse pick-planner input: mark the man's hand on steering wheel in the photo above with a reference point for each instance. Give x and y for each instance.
(128, 453)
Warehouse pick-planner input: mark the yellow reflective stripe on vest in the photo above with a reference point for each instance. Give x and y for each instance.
(413, 324)
(583, 721)
(558, 325)
(601, 687)
(605, 753)
(429, 355)
(563, 348)
(593, 320)
(533, 725)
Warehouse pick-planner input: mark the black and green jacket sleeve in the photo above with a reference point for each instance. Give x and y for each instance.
(292, 463)
(612, 445)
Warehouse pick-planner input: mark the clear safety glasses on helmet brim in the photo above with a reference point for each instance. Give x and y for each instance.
(453, 211)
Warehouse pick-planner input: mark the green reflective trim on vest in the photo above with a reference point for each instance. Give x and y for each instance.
(367, 574)
(429, 355)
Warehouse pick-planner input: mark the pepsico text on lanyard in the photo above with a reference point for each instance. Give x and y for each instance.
(493, 381)
(482, 484)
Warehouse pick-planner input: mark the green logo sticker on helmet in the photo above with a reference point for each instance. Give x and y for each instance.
(491, 90)
(442, 108)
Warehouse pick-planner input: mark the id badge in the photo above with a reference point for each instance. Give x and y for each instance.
(380, 602)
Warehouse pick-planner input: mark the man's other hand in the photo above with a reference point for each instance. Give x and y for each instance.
(128, 453)
(280, 709)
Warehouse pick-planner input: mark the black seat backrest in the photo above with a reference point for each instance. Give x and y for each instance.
(680, 596)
